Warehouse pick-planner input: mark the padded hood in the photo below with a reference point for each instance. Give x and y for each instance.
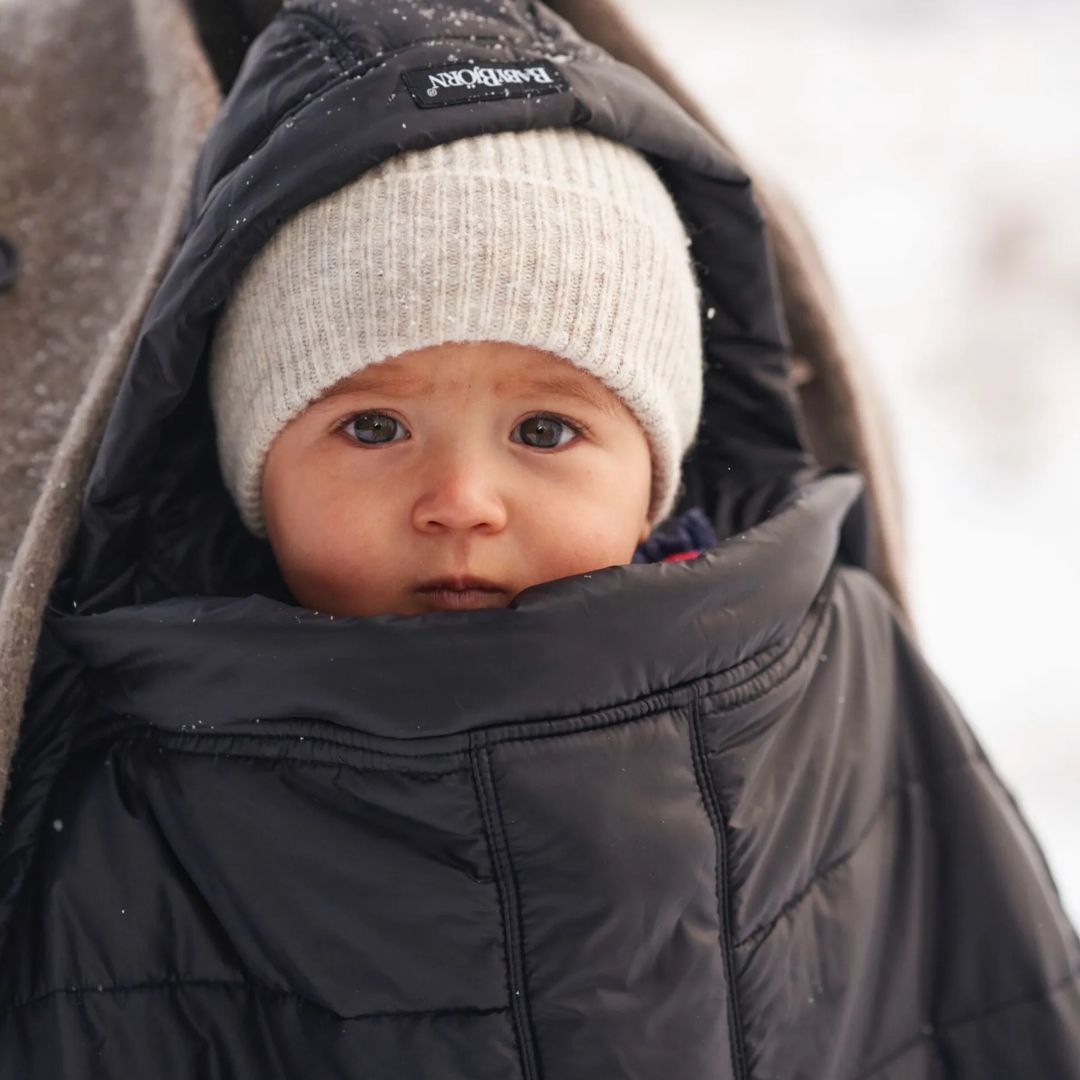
(328, 90)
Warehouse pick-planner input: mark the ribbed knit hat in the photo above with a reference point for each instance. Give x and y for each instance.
(554, 238)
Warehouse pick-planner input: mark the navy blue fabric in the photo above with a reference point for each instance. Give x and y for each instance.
(691, 531)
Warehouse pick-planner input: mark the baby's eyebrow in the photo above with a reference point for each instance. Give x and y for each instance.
(379, 382)
(567, 386)
(384, 382)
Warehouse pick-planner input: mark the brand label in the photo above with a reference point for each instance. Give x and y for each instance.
(482, 80)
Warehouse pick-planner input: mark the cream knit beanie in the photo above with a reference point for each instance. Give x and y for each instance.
(554, 238)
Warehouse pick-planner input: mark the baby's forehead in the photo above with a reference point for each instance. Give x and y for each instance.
(505, 370)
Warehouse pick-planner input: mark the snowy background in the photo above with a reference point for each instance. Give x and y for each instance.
(934, 148)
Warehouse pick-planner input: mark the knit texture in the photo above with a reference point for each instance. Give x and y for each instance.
(553, 238)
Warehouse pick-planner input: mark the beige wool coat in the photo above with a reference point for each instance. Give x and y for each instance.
(103, 107)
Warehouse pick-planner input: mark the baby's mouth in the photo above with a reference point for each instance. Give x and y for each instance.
(462, 599)
(462, 593)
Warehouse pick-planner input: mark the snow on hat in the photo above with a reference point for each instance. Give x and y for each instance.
(554, 238)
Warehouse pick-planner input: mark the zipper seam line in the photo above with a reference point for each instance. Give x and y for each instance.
(723, 892)
(509, 903)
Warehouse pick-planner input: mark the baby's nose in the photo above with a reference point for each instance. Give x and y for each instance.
(460, 494)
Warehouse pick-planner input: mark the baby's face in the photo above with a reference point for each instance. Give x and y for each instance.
(476, 459)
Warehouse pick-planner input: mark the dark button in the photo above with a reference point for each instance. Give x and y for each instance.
(9, 263)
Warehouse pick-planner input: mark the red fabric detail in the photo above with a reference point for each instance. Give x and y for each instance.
(678, 556)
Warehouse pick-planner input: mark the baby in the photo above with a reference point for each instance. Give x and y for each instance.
(472, 370)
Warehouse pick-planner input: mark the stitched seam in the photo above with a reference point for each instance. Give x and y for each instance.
(277, 759)
(496, 876)
(500, 887)
(725, 922)
(758, 935)
(746, 692)
(666, 696)
(822, 620)
(242, 984)
(510, 905)
(961, 1021)
(323, 740)
(151, 731)
(520, 1001)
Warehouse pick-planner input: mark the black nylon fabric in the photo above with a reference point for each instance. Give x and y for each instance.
(705, 819)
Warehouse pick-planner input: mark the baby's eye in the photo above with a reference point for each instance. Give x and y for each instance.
(547, 431)
(372, 428)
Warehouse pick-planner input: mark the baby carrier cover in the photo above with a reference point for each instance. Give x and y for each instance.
(696, 819)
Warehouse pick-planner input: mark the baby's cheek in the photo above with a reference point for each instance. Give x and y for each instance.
(590, 542)
(305, 533)
(336, 545)
(330, 571)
